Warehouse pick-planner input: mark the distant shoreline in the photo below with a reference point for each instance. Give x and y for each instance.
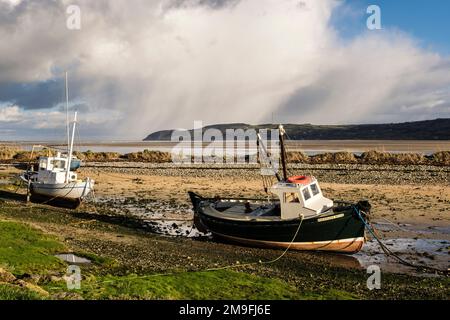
(438, 129)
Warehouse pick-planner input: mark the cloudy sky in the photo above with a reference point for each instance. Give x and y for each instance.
(137, 66)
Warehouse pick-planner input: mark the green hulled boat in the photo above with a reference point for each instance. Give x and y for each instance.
(299, 217)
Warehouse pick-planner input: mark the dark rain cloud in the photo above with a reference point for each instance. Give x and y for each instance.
(9, 15)
(32, 96)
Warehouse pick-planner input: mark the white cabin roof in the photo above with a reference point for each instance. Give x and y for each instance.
(301, 196)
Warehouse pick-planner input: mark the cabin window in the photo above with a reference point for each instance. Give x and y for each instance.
(59, 164)
(43, 166)
(291, 198)
(315, 189)
(306, 194)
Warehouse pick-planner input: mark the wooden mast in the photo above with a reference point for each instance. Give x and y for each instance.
(283, 152)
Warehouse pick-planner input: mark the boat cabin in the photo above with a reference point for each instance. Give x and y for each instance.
(54, 170)
(300, 196)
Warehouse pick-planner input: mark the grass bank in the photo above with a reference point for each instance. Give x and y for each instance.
(215, 285)
(27, 253)
(27, 250)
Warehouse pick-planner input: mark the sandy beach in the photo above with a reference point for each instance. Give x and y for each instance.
(411, 209)
(403, 195)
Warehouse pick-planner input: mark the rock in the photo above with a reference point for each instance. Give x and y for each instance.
(33, 278)
(56, 279)
(67, 296)
(6, 276)
(31, 287)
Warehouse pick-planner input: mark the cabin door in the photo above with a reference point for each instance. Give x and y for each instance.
(291, 205)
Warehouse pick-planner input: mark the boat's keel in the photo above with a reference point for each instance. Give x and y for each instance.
(352, 245)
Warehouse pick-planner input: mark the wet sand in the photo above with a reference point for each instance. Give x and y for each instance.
(403, 211)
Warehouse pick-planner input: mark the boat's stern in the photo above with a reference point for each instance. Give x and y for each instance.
(196, 200)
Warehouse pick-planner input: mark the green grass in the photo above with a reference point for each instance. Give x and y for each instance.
(190, 286)
(214, 285)
(332, 294)
(96, 259)
(10, 292)
(26, 250)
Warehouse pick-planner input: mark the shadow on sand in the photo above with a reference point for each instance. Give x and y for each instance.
(345, 261)
(59, 203)
(124, 221)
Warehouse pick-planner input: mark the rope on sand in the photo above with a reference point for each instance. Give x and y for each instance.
(233, 266)
(388, 252)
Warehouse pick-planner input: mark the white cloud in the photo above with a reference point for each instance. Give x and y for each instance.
(11, 2)
(142, 67)
(9, 113)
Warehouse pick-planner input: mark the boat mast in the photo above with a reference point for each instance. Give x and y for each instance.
(67, 114)
(283, 152)
(69, 161)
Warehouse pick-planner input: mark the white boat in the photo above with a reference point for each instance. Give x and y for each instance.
(54, 178)
(54, 181)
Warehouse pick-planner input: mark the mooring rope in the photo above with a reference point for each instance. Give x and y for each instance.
(394, 224)
(233, 266)
(389, 252)
(58, 197)
(270, 261)
(406, 230)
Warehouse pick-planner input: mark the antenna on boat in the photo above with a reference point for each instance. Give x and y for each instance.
(283, 151)
(67, 114)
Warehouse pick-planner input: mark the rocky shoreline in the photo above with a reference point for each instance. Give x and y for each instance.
(329, 173)
(10, 153)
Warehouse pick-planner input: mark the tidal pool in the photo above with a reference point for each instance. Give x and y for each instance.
(71, 258)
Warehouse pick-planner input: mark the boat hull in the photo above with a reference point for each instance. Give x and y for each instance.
(339, 230)
(352, 245)
(74, 191)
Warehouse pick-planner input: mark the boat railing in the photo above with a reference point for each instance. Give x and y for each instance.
(244, 200)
